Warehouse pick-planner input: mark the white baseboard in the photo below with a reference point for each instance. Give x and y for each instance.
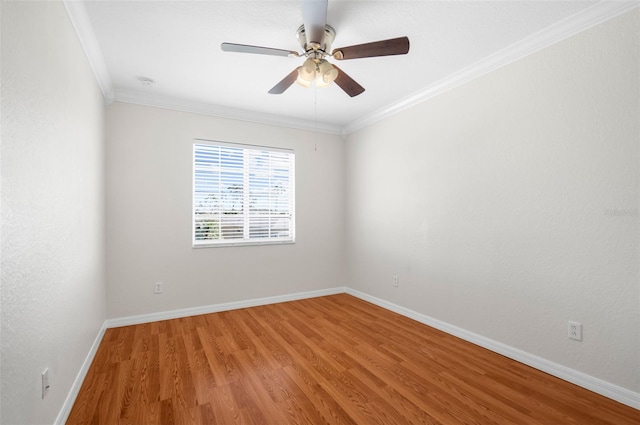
(581, 379)
(194, 311)
(63, 415)
(606, 389)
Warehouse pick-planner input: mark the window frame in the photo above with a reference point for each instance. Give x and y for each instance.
(246, 207)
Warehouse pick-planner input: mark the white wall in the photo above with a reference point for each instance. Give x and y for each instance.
(53, 295)
(149, 201)
(490, 202)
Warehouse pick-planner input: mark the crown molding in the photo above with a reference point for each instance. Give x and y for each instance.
(81, 23)
(589, 17)
(222, 112)
(572, 25)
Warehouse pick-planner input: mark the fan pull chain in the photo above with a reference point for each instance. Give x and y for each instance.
(315, 118)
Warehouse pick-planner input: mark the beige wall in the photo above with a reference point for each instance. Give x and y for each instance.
(53, 294)
(149, 201)
(509, 205)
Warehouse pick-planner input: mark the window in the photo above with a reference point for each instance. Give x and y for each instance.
(242, 194)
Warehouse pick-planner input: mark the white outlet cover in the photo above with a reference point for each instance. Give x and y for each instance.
(45, 383)
(575, 331)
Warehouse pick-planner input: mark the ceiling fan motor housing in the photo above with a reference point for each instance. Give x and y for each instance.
(312, 47)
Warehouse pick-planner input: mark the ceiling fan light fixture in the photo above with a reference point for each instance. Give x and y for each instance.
(302, 82)
(327, 72)
(320, 82)
(307, 71)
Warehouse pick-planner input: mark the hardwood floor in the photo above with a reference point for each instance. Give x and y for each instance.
(329, 360)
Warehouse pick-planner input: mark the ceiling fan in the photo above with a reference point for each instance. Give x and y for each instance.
(315, 37)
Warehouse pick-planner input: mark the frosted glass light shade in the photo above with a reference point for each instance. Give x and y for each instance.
(320, 82)
(301, 81)
(307, 71)
(327, 72)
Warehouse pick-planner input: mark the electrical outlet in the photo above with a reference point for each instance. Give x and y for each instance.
(157, 288)
(575, 331)
(395, 281)
(45, 383)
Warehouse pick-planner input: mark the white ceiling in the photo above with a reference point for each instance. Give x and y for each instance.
(177, 44)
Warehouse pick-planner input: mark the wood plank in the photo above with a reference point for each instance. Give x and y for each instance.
(327, 360)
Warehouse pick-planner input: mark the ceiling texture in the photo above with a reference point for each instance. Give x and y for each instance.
(176, 44)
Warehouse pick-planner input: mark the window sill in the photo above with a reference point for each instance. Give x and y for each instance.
(244, 243)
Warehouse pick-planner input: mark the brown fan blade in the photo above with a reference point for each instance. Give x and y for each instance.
(245, 48)
(314, 18)
(285, 83)
(347, 83)
(393, 46)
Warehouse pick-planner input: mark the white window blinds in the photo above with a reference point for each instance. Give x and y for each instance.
(242, 195)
